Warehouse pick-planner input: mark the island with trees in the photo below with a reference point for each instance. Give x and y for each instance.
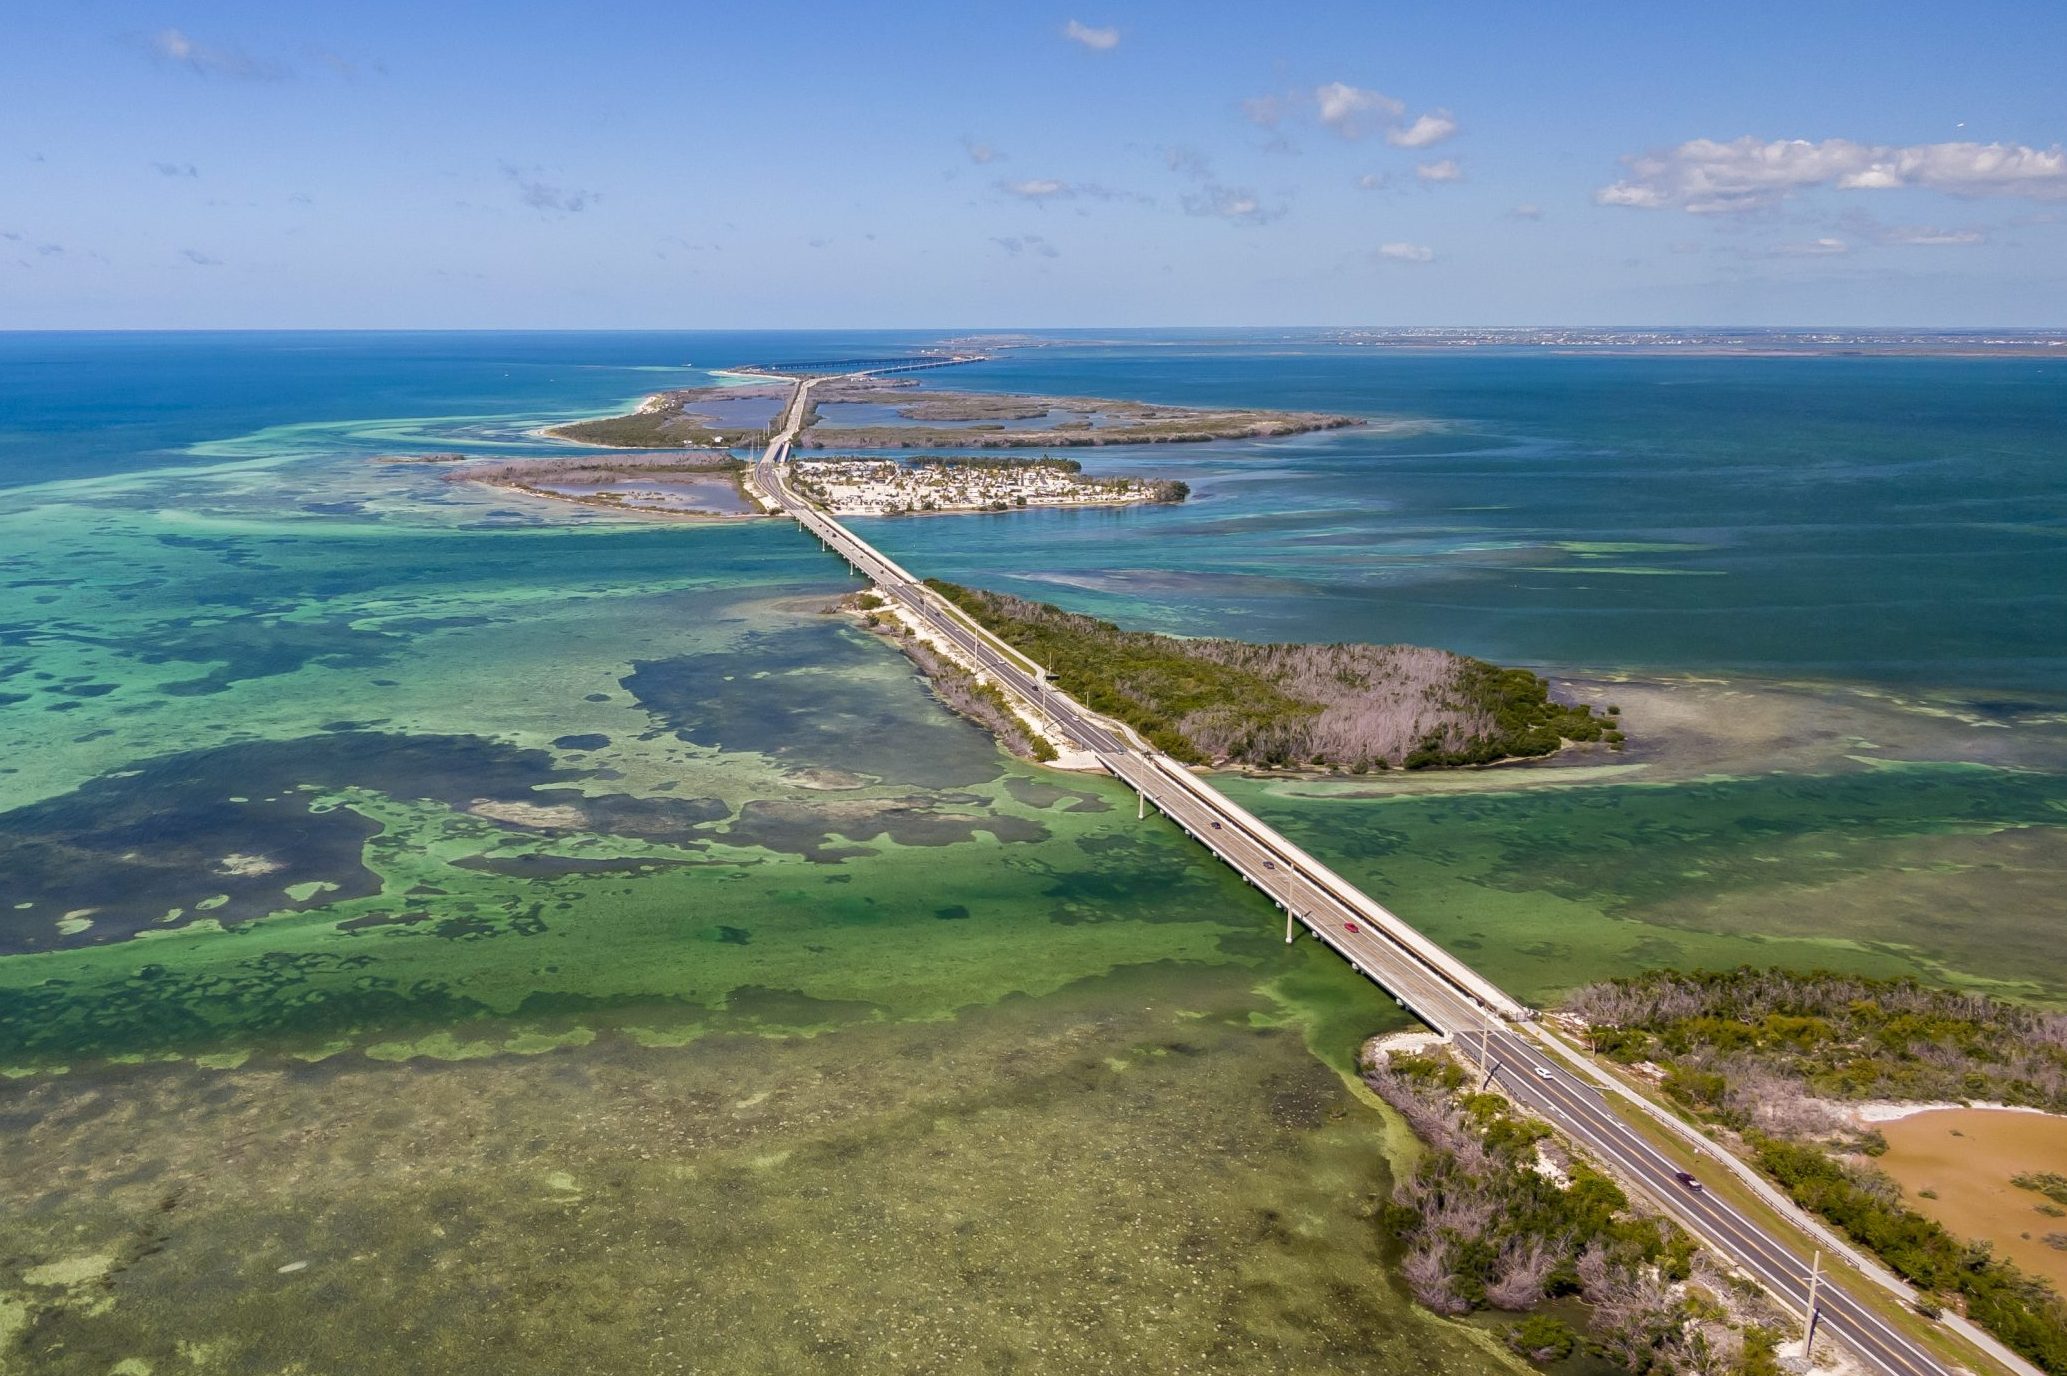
(685, 418)
(699, 485)
(898, 413)
(1334, 708)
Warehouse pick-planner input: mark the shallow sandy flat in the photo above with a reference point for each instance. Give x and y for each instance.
(1966, 1157)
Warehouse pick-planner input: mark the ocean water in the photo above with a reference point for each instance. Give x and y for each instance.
(510, 937)
(1892, 520)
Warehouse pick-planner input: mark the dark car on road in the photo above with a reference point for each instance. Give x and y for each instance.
(1686, 1178)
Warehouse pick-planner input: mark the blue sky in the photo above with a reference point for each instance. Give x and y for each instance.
(517, 164)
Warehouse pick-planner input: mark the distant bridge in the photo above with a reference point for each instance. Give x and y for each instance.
(828, 367)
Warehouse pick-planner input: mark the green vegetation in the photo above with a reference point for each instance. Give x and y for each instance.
(954, 420)
(1743, 1044)
(670, 420)
(2051, 1184)
(1496, 1216)
(1765, 1051)
(1342, 707)
(657, 430)
(1543, 1338)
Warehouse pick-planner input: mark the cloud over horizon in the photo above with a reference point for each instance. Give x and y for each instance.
(1707, 177)
(1401, 252)
(1814, 248)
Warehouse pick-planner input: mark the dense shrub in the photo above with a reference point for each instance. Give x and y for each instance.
(1483, 1228)
(1280, 706)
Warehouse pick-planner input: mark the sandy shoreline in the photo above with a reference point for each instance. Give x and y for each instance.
(1894, 1111)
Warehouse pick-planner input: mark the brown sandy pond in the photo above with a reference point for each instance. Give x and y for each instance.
(1966, 1156)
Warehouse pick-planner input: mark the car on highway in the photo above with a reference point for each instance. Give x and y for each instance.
(1543, 1073)
(1349, 927)
(1686, 1178)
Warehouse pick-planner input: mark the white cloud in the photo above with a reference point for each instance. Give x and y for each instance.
(1428, 129)
(1406, 253)
(1097, 40)
(1705, 176)
(1527, 210)
(980, 153)
(1373, 181)
(1237, 204)
(1624, 193)
(1038, 189)
(173, 46)
(1446, 170)
(1041, 190)
(1348, 109)
(1814, 248)
(1930, 235)
(175, 169)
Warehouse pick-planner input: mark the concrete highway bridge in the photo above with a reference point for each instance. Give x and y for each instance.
(860, 367)
(1493, 1028)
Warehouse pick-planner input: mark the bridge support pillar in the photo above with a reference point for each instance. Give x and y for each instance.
(1140, 805)
(1289, 930)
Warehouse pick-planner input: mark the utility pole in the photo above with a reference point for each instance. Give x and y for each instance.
(1808, 1325)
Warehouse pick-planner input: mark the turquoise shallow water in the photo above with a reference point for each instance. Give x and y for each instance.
(476, 899)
